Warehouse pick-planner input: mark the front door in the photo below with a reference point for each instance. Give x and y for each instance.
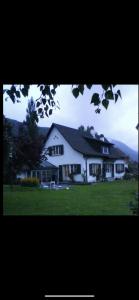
(112, 170)
(108, 170)
(103, 171)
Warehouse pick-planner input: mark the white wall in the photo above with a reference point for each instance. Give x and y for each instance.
(70, 155)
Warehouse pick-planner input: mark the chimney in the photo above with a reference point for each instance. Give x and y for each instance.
(101, 137)
(93, 132)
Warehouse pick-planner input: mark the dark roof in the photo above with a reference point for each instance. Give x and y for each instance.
(80, 142)
(45, 165)
(75, 139)
(116, 152)
(97, 138)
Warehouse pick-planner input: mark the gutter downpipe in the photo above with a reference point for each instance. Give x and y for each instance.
(86, 167)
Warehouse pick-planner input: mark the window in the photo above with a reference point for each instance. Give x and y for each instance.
(67, 171)
(105, 150)
(56, 150)
(43, 174)
(94, 169)
(119, 168)
(76, 169)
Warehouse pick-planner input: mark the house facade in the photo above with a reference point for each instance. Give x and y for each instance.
(79, 157)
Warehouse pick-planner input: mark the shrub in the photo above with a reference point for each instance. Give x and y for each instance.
(127, 176)
(71, 176)
(30, 181)
(134, 206)
(136, 176)
(84, 175)
(18, 181)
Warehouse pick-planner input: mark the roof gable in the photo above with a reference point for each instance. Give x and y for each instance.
(74, 138)
(80, 142)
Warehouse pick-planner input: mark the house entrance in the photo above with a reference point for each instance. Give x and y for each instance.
(108, 170)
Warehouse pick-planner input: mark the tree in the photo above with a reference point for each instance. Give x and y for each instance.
(46, 103)
(7, 148)
(134, 205)
(28, 146)
(6, 139)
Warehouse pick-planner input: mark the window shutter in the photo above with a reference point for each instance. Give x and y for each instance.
(62, 149)
(78, 169)
(90, 169)
(50, 151)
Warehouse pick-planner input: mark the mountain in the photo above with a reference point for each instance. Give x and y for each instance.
(133, 155)
(15, 128)
(43, 131)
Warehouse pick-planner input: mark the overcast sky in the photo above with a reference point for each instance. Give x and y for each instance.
(117, 122)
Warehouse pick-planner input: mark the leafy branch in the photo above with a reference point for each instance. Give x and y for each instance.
(97, 99)
(46, 102)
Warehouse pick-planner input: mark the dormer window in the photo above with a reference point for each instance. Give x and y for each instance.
(105, 150)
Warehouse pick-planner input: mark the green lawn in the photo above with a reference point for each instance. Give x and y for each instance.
(109, 198)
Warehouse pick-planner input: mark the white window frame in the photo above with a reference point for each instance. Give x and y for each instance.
(121, 168)
(104, 150)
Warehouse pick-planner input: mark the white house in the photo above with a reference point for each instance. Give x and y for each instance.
(79, 156)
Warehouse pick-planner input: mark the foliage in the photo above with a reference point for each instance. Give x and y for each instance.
(71, 176)
(132, 172)
(6, 139)
(134, 206)
(128, 176)
(84, 175)
(46, 103)
(133, 167)
(28, 146)
(30, 181)
(7, 151)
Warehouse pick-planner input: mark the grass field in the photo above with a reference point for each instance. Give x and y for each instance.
(109, 198)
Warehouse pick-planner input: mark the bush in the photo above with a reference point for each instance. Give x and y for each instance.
(71, 176)
(127, 176)
(30, 181)
(18, 181)
(134, 206)
(136, 176)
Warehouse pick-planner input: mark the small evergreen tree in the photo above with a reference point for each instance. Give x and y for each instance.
(7, 150)
(29, 145)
